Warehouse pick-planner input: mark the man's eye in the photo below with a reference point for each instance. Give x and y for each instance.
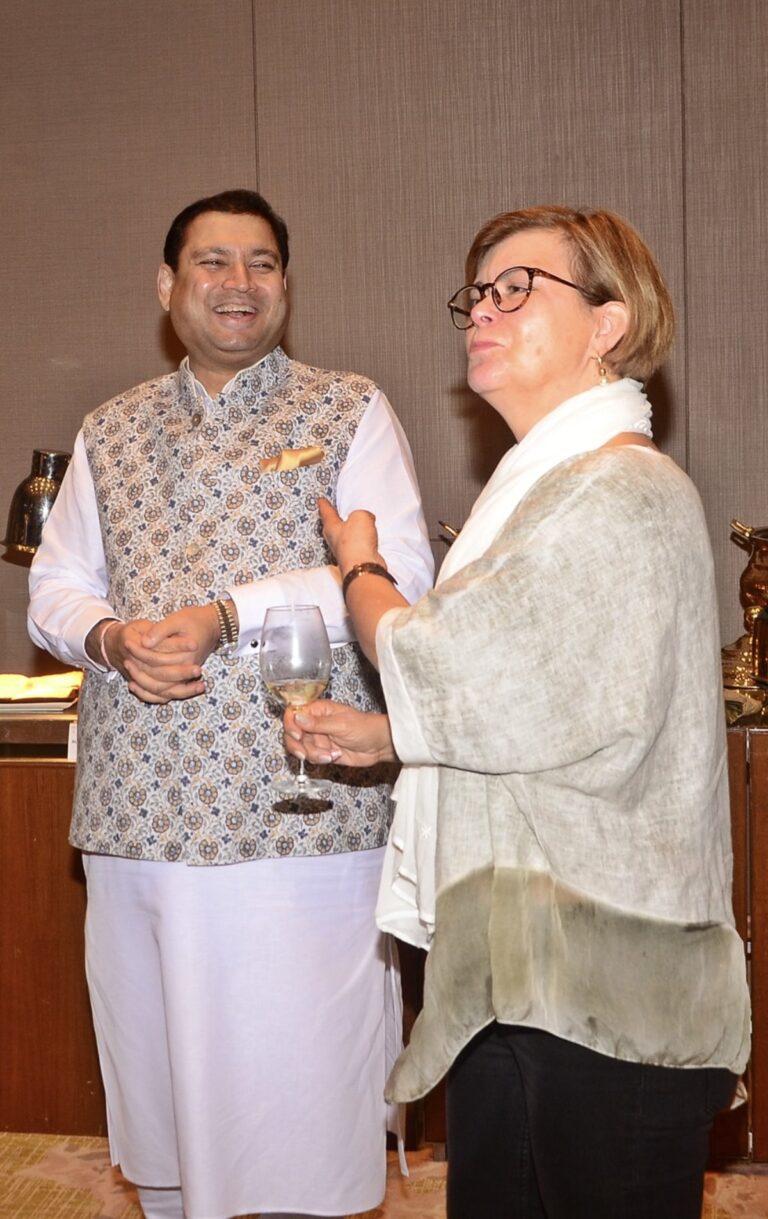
(211, 262)
(263, 266)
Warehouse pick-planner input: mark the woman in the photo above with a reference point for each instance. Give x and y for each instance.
(556, 702)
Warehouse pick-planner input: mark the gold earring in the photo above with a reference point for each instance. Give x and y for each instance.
(602, 370)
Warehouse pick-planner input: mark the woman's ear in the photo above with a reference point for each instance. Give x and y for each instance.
(612, 324)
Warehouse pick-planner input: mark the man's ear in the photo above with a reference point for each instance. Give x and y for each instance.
(613, 323)
(165, 282)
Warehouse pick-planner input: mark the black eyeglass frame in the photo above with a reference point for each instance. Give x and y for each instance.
(483, 289)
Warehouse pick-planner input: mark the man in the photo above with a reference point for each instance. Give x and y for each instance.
(236, 979)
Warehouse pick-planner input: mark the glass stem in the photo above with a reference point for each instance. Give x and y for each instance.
(301, 777)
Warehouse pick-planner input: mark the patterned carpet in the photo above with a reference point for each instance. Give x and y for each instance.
(50, 1177)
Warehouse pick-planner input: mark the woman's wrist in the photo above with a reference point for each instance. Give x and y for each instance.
(348, 562)
(365, 569)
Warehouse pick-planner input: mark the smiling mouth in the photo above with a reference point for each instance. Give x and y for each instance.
(235, 310)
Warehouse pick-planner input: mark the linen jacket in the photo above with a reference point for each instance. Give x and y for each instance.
(567, 685)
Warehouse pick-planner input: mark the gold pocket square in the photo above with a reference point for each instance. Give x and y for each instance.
(292, 459)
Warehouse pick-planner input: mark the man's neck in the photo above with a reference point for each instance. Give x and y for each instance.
(215, 382)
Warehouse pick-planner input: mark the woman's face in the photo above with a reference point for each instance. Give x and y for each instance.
(527, 362)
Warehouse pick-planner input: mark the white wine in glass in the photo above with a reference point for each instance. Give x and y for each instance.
(295, 660)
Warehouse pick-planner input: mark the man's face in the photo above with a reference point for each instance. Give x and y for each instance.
(227, 299)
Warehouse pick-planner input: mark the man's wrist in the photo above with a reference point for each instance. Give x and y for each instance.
(228, 625)
(95, 642)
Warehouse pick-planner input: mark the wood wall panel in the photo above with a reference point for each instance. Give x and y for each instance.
(114, 117)
(388, 132)
(726, 226)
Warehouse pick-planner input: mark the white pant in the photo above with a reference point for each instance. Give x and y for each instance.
(166, 1204)
(161, 1203)
(239, 1012)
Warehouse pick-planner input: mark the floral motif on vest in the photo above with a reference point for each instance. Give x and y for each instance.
(185, 513)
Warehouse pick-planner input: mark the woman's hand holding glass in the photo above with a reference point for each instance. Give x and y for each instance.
(325, 731)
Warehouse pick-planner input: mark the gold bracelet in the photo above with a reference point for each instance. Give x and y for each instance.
(365, 569)
(229, 632)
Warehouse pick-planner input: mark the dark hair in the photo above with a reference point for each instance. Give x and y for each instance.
(234, 202)
(610, 262)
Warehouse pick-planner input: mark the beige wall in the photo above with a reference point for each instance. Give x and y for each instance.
(726, 300)
(114, 117)
(385, 131)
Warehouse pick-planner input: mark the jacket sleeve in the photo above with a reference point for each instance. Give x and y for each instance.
(552, 647)
(68, 578)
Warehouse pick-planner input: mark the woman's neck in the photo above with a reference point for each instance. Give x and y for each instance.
(526, 410)
(629, 438)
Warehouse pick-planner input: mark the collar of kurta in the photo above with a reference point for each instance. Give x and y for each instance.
(249, 384)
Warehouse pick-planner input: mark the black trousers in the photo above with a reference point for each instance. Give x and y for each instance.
(540, 1128)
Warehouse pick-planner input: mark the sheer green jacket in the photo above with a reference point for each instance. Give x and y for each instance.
(567, 686)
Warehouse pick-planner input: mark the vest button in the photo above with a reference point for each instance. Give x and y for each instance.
(197, 419)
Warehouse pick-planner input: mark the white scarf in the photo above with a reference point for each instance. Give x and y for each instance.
(406, 905)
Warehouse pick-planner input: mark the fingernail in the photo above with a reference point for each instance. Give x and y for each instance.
(295, 736)
(336, 754)
(302, 719)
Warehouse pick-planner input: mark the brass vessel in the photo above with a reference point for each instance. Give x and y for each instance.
(745, 662)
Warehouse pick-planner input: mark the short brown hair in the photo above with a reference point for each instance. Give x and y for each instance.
(610, 262)
(233, 202)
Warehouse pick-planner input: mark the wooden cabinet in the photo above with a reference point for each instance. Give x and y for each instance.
(50, 1080)
(732, 1134)
(744, 1132)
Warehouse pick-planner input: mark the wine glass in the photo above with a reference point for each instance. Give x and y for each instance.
(295, 660)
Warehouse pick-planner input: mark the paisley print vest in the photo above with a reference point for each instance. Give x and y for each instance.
(186, 512)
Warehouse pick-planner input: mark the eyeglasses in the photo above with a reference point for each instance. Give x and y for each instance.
(509, 291)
